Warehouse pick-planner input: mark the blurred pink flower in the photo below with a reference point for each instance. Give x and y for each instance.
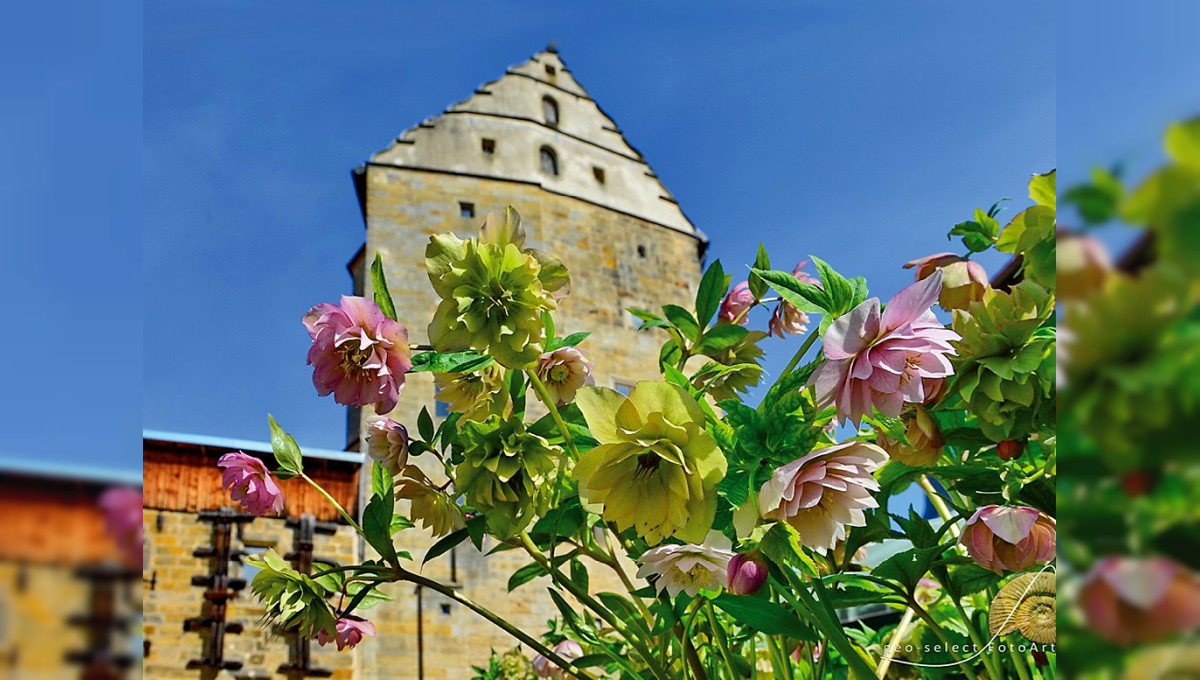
(1083, 265)
(927, 592)
(738, 299)
(250, 484)
(824, 492)
(1131, 600)
(690, 568)
(350, 632)
(788, 319)
(963, 281)
(1003, 538)
(881, 359)
(357, 353)
(122, 507)
(747, 573)
(545, 668)
(387, 442)
(798, 652)
(564, 371)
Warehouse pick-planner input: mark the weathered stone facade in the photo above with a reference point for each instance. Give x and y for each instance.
(600, 208)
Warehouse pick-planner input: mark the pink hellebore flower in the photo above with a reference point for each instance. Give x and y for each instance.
(824, 492)
(927, 592)
(545, 668)
(358, 354)
(963, 281)
(738, 299)
(797, 654)
(788, 319)
(122, 507)
(387, 442)
(250, 484)
(881, 359)
(747, 573)
(564, 371)
(1131, 600)
(350, 632)
(1002, 538)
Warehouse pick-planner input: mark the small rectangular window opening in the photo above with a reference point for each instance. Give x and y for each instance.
(598, 173)
(466, 209)
(550, 70)
(489, 146)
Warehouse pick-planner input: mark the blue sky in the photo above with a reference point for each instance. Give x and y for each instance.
(855, 133)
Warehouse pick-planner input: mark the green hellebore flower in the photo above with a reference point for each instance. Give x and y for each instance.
(746, 353)
(503, 469)
(493, 291)
(295, 601)
(656, 468)
(1005, 361)
(476, 395)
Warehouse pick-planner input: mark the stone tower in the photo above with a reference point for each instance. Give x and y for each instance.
(536, 140)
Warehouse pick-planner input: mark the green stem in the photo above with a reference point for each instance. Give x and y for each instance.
(690, 656)
(1019, 661)
(453, 594)
(342, 511)
(719, 638)
(938, 503)
(988, 659)
(812, 337)
(802, 600)
(941, 634)
(544, 395)
(590, 602)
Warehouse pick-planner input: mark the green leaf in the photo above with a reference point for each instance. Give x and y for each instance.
(379, 289)
(969, 579)
(524, 575)
(591, 661)
(977, 237)
(445, 545)
(287, 453)
(720, 338)
(449, 362)
(907, 567)
(400, 522)
(1183, 142)
(683, 320)
(670, 353)
(579, 576)
(781, 544)
(758, 286)
(1043, 189)
(425, 424)
(917, 529)
(805, 296)
(708, 297)
(574, 339)
(764, 616)
(840, 290)
(367, 594)
(377, 518)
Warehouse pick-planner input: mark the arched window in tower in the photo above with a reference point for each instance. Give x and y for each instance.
(549, 161)
(550, 111)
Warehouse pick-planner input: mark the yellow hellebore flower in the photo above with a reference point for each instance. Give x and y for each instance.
(656, 468)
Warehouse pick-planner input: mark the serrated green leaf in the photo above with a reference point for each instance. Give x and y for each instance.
(379, 289)
(765, 616)
(758, 287)
(377, 517)
(720, 338)
(1043, 189)
(781, 544)
(840, 290)
(448, 362)
(802, 295)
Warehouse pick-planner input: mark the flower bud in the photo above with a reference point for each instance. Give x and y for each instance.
(1131, 600)
(963, 281)
(1003, 538)
(564, 371)
(387, 442)
(925, 441)
(545, 668)
(747, 573)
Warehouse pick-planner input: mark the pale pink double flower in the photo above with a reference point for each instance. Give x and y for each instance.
(250, 484)
(881, 358)
(357, 354)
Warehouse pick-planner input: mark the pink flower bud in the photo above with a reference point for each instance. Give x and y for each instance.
(738, 299)
(350, 631)
(963, 281)
(1083, 265)
(564, 371)
(250, 484)
(1129, 600)
(387, 442)
(747, 573)
(1002, 538)
(545, 668)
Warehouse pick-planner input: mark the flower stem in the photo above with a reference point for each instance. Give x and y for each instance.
(405, 575)
(941, 634)
(988, 660)
(1019, 661)
(938, 503)
(544, 395)
(719, 638)
(342, 511)
(890, 651)
(808, 342)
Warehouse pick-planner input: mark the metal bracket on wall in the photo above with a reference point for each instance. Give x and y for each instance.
(219, 589)
(101, 659)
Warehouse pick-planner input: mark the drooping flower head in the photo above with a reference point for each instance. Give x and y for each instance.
(963, 280)
(357, 354)
(824, 492)
(122, 507)
(736, 302)
(689, 568)
(656, 468)
(1003, 538)
(475, 395)
(430, 507)
(880, 358)
(564, 371)
(493, 291)
(348, 632)
(387, 442)
(503, 472)
(250, 484)
(789, 319)
(925, 440)
(746, 353)
(545, 668)
(1131, 600)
